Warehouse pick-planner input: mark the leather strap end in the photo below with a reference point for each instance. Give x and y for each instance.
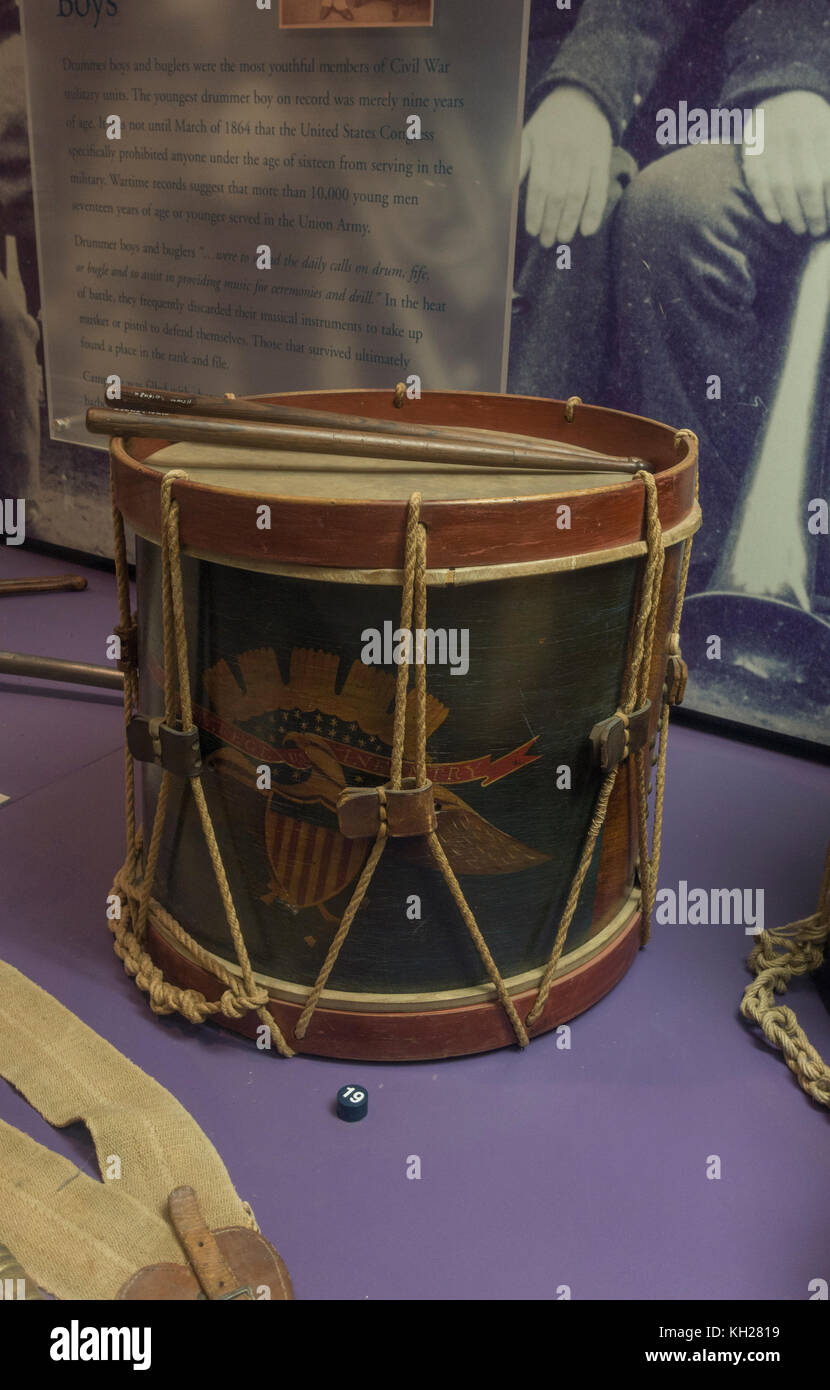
(406, 812)
(209, 1264)
(677, 673)
(615, 739)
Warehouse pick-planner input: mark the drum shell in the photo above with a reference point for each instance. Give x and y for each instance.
(546, 658)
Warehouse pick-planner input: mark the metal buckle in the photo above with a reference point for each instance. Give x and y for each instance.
(243, 1291)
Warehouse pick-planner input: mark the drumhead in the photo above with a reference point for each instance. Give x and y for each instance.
(280, 473)
(349, 512)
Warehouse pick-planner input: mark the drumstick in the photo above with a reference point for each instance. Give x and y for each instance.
(260, 412)
(306, 439)
(56, 584)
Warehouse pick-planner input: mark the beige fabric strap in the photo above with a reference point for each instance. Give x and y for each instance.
(77, 1236)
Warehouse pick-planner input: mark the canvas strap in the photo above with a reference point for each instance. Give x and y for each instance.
(80, 1237)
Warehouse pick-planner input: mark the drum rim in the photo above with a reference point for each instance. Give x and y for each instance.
(427, 1035)
(417, 1002)
(510, 529)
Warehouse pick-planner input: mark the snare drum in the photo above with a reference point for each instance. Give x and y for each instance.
(285, 882)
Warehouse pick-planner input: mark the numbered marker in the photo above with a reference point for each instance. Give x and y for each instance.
(352, 1102)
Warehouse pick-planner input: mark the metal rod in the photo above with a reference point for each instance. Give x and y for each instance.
(239, 434)
(52, 668)
(264, 413)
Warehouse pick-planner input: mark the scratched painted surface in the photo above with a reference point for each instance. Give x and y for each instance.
(279, 683)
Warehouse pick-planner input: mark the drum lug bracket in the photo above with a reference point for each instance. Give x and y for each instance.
(408, 811)
(174, 750)
(612, 740)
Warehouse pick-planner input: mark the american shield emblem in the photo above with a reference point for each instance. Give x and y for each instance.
(328, 741)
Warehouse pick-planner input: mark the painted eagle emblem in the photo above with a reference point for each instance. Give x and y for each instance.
(316, 742)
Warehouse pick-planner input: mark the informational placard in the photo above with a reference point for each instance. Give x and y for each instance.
(227, 204)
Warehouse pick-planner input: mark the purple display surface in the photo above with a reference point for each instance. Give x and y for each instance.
(584, 1168)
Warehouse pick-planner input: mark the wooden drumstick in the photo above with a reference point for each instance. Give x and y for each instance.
(54, 585)
(263, 413)
(307, 439)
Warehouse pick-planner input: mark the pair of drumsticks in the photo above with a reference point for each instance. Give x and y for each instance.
(217, 420)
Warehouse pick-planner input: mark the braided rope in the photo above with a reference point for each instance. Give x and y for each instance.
(434, 845)
(125, 619)
(647, 864)
(412, 569)
(138, 906)
(468, 917)
(348, 917)
(166, 998)
(635, 683)
(778, 957)
(413, 603)
(672, 649)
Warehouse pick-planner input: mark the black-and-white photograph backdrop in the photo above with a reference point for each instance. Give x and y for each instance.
(672, 259)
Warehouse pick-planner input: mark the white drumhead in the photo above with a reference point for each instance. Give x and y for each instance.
(282, 473)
